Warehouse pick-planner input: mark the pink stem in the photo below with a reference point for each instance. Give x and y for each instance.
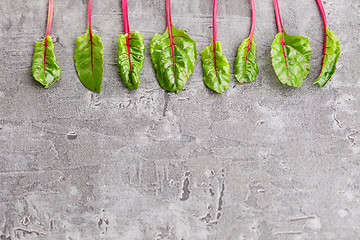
(280, 29)
(91, 36)
(278, 18)
(89, 14)
(169, 26)
(50, 17)
(323, 15)
(214, 21)
(253, 13)
(48, 30)
(125, 16)
(168, 17)
(215, 32)
(127, 29)
(322, 12)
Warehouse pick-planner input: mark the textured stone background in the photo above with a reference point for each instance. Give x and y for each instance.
(261, 161)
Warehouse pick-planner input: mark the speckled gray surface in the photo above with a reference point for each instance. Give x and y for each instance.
(261, 161)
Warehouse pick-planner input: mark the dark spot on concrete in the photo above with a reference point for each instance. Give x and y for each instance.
(72, 135)
(3, 237)
(221, 197)
(100, 222)
(56, 39)
(211, 191)
(9, 25)
(51, 225)
(185, 189)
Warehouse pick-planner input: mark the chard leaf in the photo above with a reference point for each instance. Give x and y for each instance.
(216, 68)
(89, 60)
(246, 68)
(44, 68)
(131, 58)
(173, 63)
(331, 55)
(290, 58)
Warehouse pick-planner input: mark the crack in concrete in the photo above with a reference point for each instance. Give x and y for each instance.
(185, 188)
(352, 138)
(337, 121)
(221, 195)
(207, 217)
(25, 231)
(301, 218)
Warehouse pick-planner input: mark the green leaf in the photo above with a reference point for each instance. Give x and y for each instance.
(173, 70)
(291, 59)
(89, 60)
(44, 68)
(216, 68)
(332, 54)
(130, 65)
(246, 68)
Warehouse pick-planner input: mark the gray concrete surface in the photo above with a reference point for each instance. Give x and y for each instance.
(261, 161)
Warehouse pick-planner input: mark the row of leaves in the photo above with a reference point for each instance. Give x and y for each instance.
(174, 56)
